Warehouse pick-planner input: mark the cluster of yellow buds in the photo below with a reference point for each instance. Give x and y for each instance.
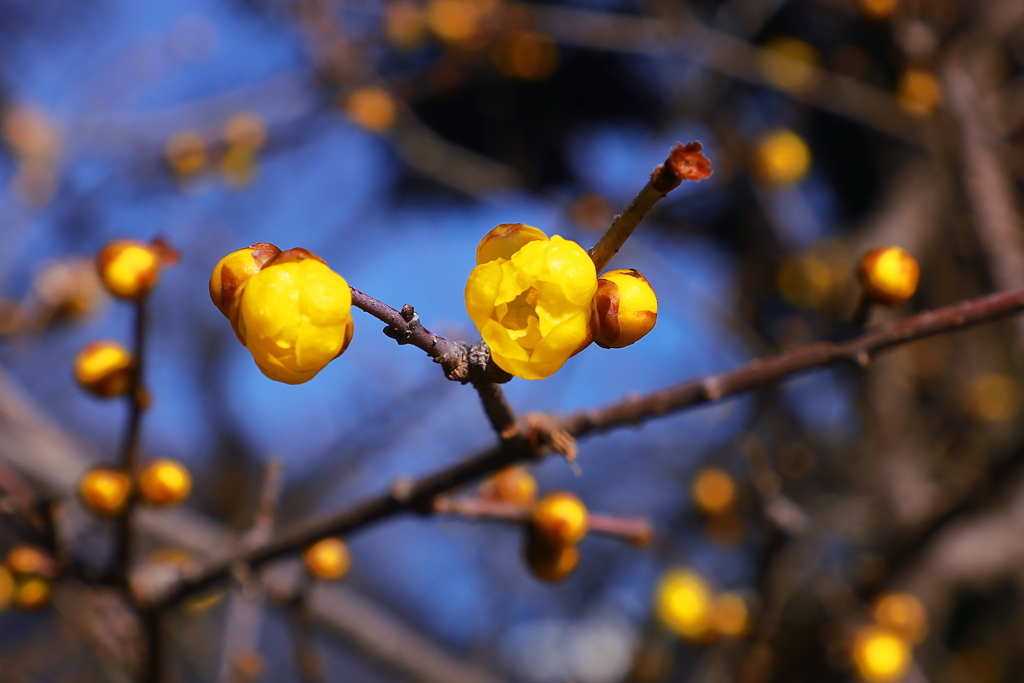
(538, 301)
(328, 559)
(25, 578)
(288, 308)
(558, 524)
(889, 275)
(881, 651)
(107, 491)
(687, 606)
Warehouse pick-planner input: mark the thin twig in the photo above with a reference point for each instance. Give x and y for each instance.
(498, 410)
(419, 495)
(635, 530)
(684, 162)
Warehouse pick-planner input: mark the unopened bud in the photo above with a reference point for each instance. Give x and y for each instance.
(560, 518)
(512, 485)
(505, 240)
(28, 560)
(129, 269)
(104, 368)
(548, 561)
(32, 594)
(232, 271)
(164, 483)
(328, 559)
(625, 308)
(889, 275)
(105, 491)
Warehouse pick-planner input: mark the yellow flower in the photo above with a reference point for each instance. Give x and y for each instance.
(625, 309)
(531, 300)
(295, 316)
(889, 275)
(328, 559)
(128, 268)
(104, 368)
(165, 482)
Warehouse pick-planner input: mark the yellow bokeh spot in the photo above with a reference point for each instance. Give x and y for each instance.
(186, 153)
(32, 594)
(512, 485)
(128, 269)
(683, 603)
(889, 275)
(919, 91)
(548, 561)
(791, 64)
(165, 482)
(7, 588)
(781, 158)
(561, 518)
(714, 491)
(459, 21)
(372, 108)
(238, 164)
(246, 130)
(105, 491)
(526, 55)
(104, 368)
(730, 615)
(806, 281)
(902, 613)
(992, 397)
(880, 655)
(328, 559)
(25, 559)
(879, 9)
(405, 24)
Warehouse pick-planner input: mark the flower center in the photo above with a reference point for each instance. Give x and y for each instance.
(520, 310)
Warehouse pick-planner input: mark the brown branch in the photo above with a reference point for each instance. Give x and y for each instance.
(418, 496)
(635, 530)
(498, 410)
(684, 162)
(462, 362)
(129, 460)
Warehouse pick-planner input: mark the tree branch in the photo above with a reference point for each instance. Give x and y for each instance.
(419, 496)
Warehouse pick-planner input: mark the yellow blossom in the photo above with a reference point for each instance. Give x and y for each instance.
(532, 307)
(295, 316)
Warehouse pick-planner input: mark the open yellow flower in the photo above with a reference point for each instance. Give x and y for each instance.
(294, 316)
(531, 302)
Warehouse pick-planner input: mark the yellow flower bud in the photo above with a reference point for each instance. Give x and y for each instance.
(32, 594)
(28, 560)
(548, 561)
(714, 491)
(7, 588)
(328, 559)
(164, 482)
(880, 655)
(533, 308)
(505, 240)
(233, 271)
(625, 309)
(560, 518)
(128, 268)
(105, 491)
(294, 316)
(683, 603)
(104, 368)
(889, 275)
(512, 485)
(730, 616)
(903, 614)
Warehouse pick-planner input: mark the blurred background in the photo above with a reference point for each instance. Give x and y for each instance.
(388, 137)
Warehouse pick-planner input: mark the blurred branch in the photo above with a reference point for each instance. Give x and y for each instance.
(418, 496)
(129, 460)
(52, 462)
(731, 56)
(635, 530)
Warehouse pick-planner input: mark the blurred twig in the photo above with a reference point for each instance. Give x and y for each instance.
(635, 530)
